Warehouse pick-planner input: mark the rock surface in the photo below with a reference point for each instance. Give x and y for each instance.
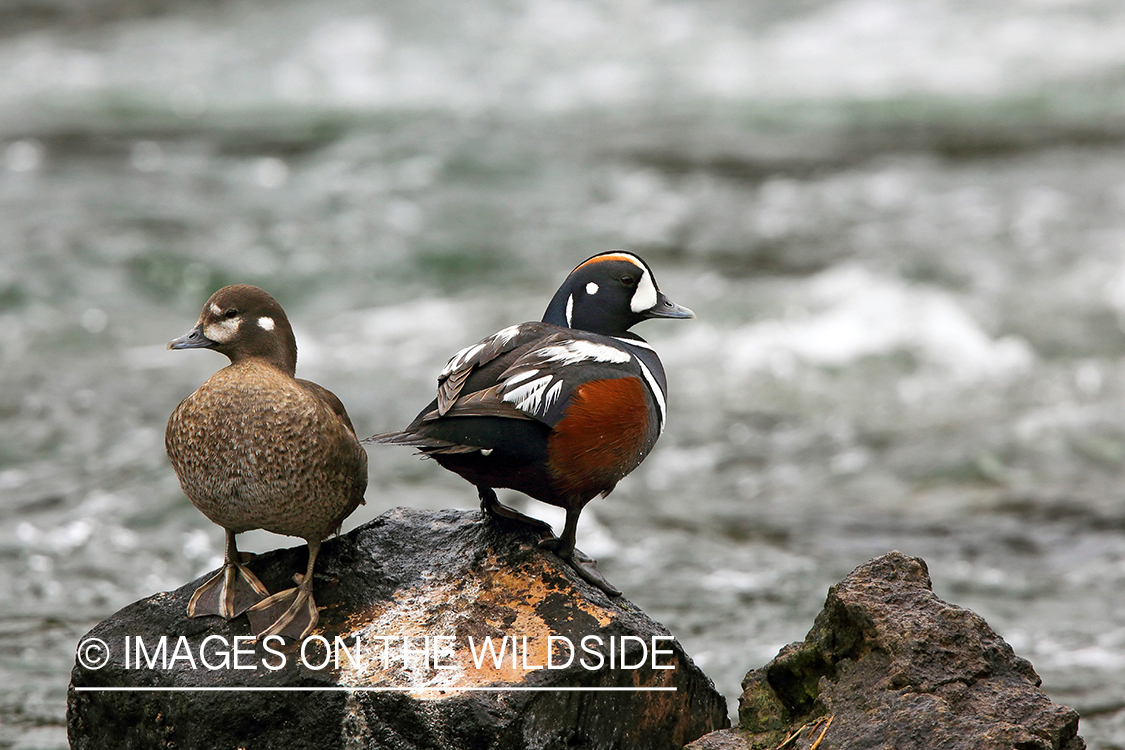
(893, 666)
(449, 575)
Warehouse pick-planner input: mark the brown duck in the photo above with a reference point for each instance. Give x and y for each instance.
(257, 448)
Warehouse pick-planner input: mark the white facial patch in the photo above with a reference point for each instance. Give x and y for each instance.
(644, 298)
(569, 309)
(591, 289)
(216, 310)
(223, 331)
(266, 324)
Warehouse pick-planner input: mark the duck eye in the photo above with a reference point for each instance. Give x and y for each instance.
(628, 280)
(232, 313)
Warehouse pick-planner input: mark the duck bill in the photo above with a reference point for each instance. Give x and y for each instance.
(193, 339)
(666, 308)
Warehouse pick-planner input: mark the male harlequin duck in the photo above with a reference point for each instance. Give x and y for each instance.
(256, 448)
(560, 410)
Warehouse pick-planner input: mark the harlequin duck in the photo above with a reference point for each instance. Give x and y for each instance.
(560, 410)
(257, 448)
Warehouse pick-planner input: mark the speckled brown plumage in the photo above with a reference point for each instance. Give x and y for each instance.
(254, 447)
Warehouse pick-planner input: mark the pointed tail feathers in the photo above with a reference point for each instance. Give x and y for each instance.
(421, 442)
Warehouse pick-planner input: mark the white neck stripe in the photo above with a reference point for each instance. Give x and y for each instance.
(634, 342)
(657, 393)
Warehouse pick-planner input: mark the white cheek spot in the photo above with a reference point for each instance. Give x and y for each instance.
(266, 324)
(569, 309)
(223, 331)
(486, 451)
(645, 296)
(591, 288)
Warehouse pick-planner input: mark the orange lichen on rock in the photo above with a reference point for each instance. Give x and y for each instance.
(492, 626)
(399, 590)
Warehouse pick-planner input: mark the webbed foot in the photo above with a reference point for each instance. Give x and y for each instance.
(492, 506)
(228, 593)
(585, 566)
(289, 613)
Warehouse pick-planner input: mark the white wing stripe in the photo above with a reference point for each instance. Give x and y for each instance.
(519, 377)
(578, 350)
(461, 357)
(504, 335)
(552, 396)
(529, 396)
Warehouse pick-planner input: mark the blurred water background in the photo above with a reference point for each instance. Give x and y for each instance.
(901, 225)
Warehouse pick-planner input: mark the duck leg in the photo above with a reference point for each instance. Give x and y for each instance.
(231, 591)
(291, 612)
(584, 565)
(492, 506)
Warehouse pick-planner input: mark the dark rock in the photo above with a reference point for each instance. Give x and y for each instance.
(415, 574)
(893, 666)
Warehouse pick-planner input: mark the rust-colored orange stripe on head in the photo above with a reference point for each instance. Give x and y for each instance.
(609, 256)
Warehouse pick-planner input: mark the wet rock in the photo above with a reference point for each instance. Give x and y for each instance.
(417, 607)
(893, 666)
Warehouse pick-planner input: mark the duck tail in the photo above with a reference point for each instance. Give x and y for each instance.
(423, 443)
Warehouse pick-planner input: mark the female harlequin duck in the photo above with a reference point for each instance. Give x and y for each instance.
(559, 410)
(256, 448)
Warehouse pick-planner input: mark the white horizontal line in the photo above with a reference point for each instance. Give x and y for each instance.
(374, 689)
